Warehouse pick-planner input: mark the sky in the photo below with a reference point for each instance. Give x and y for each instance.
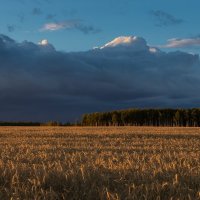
(60, 59)
(89, 23)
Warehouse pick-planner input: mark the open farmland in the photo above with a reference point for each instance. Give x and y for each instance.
(99, 163)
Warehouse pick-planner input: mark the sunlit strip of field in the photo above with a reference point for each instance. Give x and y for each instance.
(99, 163)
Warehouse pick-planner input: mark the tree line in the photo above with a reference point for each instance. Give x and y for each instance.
(144, 117)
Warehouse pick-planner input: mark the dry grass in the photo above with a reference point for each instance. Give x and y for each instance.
(99, 163)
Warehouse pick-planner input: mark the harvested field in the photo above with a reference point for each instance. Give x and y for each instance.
(99, 163)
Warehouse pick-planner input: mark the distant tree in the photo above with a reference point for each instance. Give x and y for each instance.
(116, 118)
(177, 118)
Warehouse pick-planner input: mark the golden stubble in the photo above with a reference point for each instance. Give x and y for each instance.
(99, 163)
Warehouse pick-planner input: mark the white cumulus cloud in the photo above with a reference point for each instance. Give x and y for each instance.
(128, 43)
(135, 42)
(43, 42)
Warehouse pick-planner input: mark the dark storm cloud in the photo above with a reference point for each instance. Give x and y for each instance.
(165, 19)
(39, 83)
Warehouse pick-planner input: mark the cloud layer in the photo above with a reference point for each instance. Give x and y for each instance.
(39, 83)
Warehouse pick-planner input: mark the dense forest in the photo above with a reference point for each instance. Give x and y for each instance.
(144, 117)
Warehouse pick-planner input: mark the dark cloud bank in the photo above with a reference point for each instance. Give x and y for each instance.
(39, 83)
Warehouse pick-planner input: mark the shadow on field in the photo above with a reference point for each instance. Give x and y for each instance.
(130, 184)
